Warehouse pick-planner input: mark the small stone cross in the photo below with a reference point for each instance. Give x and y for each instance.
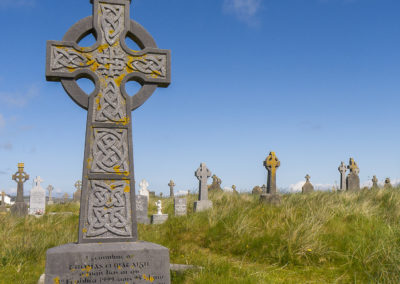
(171, 188)
(271, 163)
(20, 177)
(144, 184)
(374, 182)
(50, 189)
(202, 174)
(342, 169)
(38, 180)
(78, 185)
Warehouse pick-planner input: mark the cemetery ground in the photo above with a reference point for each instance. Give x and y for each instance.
(322, 237)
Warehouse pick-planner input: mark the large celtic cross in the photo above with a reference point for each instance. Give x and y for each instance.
(202, 174)
(108, 195)
(20, 177)
(271, 163)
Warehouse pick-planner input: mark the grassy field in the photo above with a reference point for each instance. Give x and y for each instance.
(322, 237)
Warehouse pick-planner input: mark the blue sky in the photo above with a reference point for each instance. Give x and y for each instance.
(316, 81)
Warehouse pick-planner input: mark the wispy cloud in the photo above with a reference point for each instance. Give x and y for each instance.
(243, 10)
(18, 98)
(6, 146)
(16, 3)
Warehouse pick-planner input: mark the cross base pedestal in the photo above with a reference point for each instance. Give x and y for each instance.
(131, 262)
(268, 198)
(159, 218)
(143, 220)
(202, 205)
(19, 209)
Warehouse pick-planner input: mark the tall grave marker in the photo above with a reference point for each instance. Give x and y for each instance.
(20, 208)
(50, 189)
(307, 187)
(374, 182)
(342, 170)
(107, 225)
(37, 198)
(171, 185)
(78, 192)
(352, 179)
(202, 174)
(3, 207)
(271, 163)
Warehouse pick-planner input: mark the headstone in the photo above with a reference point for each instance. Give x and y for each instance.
(3, 207)
(352, 179)
(107, 250)
(387, 184)
(143, 189)
(342, 170)
(78, 192)
(159, 218)
(374, 182)
(142, 209)
(180, 206)
(50, 189)
(257, 190)
(37, 199)
(171, 188)
(20, 208)
(271, 163)
(202, 174)
(264, 189)
(307, 187)
(234, 189)
(65, 198)
(216, 184)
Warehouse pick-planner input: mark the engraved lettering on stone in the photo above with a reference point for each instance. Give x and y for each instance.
(111, 61)
(112, 22)
(154, 65)
(68, 59)
(108, 212)
(111, 105)
(110, 151)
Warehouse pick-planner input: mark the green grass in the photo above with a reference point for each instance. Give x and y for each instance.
(316, 238)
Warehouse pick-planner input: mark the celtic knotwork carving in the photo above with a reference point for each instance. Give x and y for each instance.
(112, 22)
(111, 104)
(108, 210)
(110, 151)
(111, 61)
(150, 64)
(68, 59)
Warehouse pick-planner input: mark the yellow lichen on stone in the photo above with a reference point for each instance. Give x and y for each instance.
(84, 230)
(127, 189)
(119, 79)
(56, 280)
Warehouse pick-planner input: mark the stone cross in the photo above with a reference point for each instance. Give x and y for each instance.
(307, 187)
(387, 183)
(171, 188)
(352, 179)
(342, 169)
(78, 185)
(353, 167)
(271, 163)
(307, 177)
(20, 177)
(65, 196)
(50, 189)
(374, 182)
(107, 212)
(202, 174)
(144, 184)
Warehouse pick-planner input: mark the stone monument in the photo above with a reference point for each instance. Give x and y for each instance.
(20, 208)
(307, 187)
(387, 184)
(3, 207)
(65, 198)
(271, 163)
(78, 192)
(108, 249)
(258, 190)
(142, 209)
(342, 170)
(352, 179)
(216, 184)
(50, 189)
(171, 188)
(234, 189)
(159, 218)
(37, 199)
(374, 182)
(202, 174)
(180, 206)
(143, 189)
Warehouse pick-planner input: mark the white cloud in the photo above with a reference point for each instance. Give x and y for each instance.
(318, 186)
(244, 10)
(381, 182)
(17, 3)
(19, 99)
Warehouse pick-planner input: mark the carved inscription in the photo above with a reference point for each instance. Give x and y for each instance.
(108, 209)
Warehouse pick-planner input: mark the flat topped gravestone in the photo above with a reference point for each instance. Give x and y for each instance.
(37, 199)
(20, 208)
(107, 250)
(307, 187)
(142, 209)
(202, 174)
(180, 206)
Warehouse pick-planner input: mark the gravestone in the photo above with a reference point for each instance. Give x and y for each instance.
(142, 209)
(342, 170)
(216, 184)
(258, 190)
(37, 199)
(107, 250)
(180, 206)
(65, 198)
(171, 188)
(143, 189)
(202, 174)
(271, 163)
(387, 184)
(78, 192)
(50, 189)
(234, 189)
(264, 189)
(159, 218)
(307, 187)
(352, 179)
(20, 208)
(374, 182)
(3, 207)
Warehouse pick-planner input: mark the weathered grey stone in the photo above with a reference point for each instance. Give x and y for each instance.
(374, 182)
(41, 279)
(78, 192)
(271, 163)
(37, 198)
(142, 209)
(116, 262)
(264, 188)
(180, 206)
(50, 189)
(202, 174)
(159, 218)
(307, 187)
(143, 188)
(171, 188)
(234, 189)
(342, 170)
(258, 190)
(216, 184)
(3, 207)
(352, 179)
(387, 184)
(20, 208)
